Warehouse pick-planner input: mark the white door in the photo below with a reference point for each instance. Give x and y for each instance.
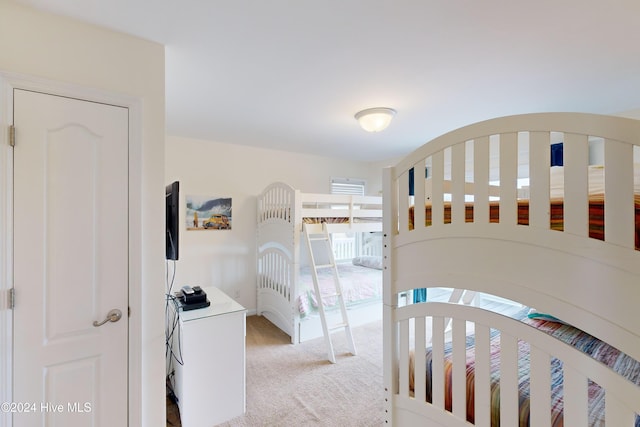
(70, 262)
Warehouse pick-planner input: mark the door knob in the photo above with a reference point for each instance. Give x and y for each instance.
(112, 316)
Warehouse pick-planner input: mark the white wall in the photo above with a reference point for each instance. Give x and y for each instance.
(53, 48)
(226, 258)
(633, 114)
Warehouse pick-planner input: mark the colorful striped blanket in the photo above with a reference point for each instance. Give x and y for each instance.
(556, 212)
(611, 357)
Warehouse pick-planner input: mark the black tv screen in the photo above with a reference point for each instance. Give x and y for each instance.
(172, 219)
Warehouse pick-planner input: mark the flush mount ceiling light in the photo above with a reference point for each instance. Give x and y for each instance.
(375, 119)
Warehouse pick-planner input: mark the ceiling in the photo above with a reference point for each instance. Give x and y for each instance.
(291, 74)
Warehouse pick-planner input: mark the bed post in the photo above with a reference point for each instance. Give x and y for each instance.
(296, 215)
(390, 300)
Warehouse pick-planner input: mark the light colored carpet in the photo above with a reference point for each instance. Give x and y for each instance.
(291, 385)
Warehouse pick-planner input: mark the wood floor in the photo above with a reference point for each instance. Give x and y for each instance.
(173, 414)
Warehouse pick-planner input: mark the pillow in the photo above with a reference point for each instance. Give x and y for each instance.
(536, 315)
(368, 261)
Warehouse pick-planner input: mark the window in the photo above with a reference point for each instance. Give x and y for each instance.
(347, 186)
(352, 241)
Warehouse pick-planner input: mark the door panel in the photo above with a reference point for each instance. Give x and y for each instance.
(71, 260)
(64, 278)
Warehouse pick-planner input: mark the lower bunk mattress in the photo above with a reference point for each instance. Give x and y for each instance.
(611, 357)
(361, 282)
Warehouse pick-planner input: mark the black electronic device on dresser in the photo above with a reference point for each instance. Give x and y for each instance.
(192, 298)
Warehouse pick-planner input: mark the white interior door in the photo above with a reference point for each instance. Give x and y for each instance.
(70, 261)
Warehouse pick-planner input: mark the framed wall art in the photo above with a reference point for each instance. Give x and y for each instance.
(208, 213)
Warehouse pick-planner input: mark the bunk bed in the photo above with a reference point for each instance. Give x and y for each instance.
(285, 293)
(488, 218)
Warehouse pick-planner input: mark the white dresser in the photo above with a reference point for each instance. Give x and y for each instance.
(210, 386)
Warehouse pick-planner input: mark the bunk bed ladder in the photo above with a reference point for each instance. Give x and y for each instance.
(458, 296)
(316, 233)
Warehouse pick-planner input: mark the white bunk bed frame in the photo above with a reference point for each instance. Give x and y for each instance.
(281, 212)
(591, 284)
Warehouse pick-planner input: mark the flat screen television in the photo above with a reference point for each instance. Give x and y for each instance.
(172, 219)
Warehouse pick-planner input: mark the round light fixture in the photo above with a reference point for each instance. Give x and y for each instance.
(375, 119)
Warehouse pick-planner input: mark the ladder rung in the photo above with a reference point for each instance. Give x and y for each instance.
(337, 294)
(324, 266)
(339, 326)
(318, 238)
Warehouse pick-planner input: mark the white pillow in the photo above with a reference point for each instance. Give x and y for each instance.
(368, 261)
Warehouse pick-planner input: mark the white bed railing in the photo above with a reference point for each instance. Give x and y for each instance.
(280, 202)
(475, 162)
(351, 207)
(417, 328)
(467, 226)
(495, 158)
(275, 273)
(344, 247)
(347, 246)
(277, 203)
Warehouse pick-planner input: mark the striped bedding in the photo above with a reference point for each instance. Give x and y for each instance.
(337, 220)
(613, 358)
(596, 215)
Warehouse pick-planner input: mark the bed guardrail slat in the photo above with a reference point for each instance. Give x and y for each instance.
(437, 187)
(274, 272)
(481, 180)
(274, 284)
(576, 184)
(404, 358)
(617, 414)
(403, 202)
(437, 363)
(509, 380)
(280, 271)
(539, 161)
(540, 388)
(276, 197)
(508, 178)
(420, 385)
(459, 369)
(619, 229)
(287, 202)
(274, 202)
(482, 392)
(419, 198)
(268, 270)
(576, 397)
(295, 216)
(458, 210)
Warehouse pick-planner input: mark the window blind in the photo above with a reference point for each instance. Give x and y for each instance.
(347, 186)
